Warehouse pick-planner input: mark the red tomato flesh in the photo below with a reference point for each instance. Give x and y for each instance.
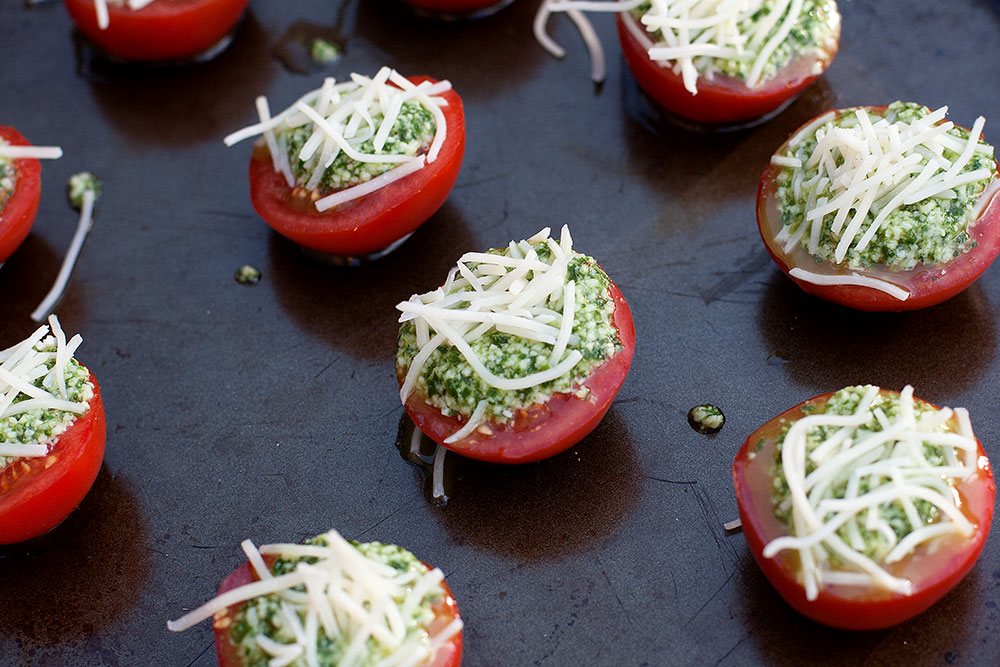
(543, 429)
(161, 31)
(17, 214)
(37, 493)
(373, 222)
(721, 99)
(445, 610)
(928, 285)
(933, 571)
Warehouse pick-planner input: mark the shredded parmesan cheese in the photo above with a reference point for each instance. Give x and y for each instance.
(33, 378)
(839, 487)
(340, 117)
(507, 293)
(353, 599)
(102, 9)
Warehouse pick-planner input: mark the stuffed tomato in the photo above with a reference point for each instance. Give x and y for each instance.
(367, 603)
(20, 187)
(715, 62)
(865, 506)
(352, 168)
(518, 355)
(157, 30)
(882, 208)
(52, 432)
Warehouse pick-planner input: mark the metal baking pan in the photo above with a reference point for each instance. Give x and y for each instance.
(271, 411)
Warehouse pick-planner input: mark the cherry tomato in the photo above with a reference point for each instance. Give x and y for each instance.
(38, 492)
(927, 285)
(161, 31)
(721, 99)
(370, 223)
(445, 610)
(543, 429)
(17, 214)
(932, 571)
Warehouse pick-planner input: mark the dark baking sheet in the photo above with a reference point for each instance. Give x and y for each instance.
(271, 412)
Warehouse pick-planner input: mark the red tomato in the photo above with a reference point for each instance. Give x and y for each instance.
(928, 285)
(445, 611)
(370, 223)
(721, 99)
(37, 493)
(162, 30)
(933, 571)
(543, 429)
(456, 6)
(18, 213)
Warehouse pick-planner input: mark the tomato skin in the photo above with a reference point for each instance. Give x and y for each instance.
(227, 652)
(543, 429)
(18, 214)
(161, 31)
(39, 500)
(837, 606)
(375, 221)
(721, 99)
(928, 286)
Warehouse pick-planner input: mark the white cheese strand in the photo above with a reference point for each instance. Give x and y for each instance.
(339, 118)
(346, 595)
(851, 279)
(83, 226)
(497, 295)
(893, 463)
(37, 152)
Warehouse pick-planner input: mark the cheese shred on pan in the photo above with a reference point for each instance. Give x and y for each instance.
(502, 292)
(102, 9)
(688, 34)
(33, 377)
(349, 597)
(874, 469)
(340, 117)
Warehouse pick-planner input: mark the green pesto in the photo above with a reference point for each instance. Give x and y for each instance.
(247, 275)
(323, 51)
(262, 615)
(845, 402)
(814, 32)
(448, 382)
(927, 232)
(40, 426)
(706, 419)
(411, 134)
(8, 178)
(80, 183)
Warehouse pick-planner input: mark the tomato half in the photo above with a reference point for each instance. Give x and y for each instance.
(448, 654)
(932, 570)
(370, 223)
(721, 99)
(161, 31)
(928, 285)
(37, 493)
(543, 429)
(18, 213)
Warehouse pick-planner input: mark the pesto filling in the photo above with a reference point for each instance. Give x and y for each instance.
(929, 232)
(411, 135)
(815, 31)
(449, 383)
(38, 427)
(846, 402)
(263, 615)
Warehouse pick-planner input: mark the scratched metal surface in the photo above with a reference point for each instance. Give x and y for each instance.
(270, 412)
